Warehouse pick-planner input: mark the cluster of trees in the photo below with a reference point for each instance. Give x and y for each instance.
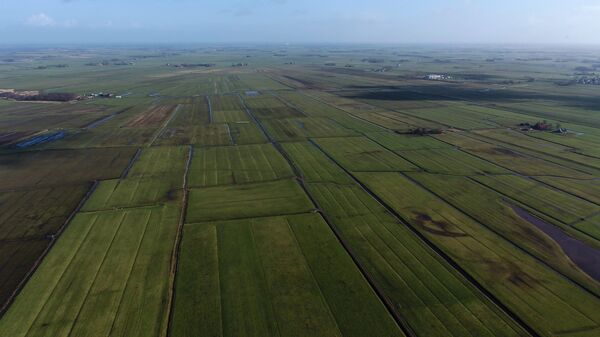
(424, 131)
(53, 96)
(543, 126)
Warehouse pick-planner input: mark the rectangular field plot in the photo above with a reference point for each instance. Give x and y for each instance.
(302, 128)
(208, 135)
(160, 162)
(237, 165)
(225, 103)
(398, 117)
(398, 142)
(104, 137)
(153, 117)
(314, 165)
(428, 294)
(510, 158)
(111, 194)
(462, 117)
(547, 150)
(246, 133)
(559, 205)
(308, 105)
(545, 300)
(39, 169)
(279, 276)
(194, 113)
(585, 189)
(37, 213)
(362, 154)
(17, 257)
(451, 161)
(246, 201)
(108, 274)
(230, 116)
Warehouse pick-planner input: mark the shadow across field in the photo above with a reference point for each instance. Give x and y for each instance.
(452, 92)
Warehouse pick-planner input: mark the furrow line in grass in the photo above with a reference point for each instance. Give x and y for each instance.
(53, 240)
(87, 293)
(177, 247)
(536, 178)
(484, 291)
(404, 326)
(137, 253)
(61, 276)
(130, 165)
(164, 126)
(210, 112)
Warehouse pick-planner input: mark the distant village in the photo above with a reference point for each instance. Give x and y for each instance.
(437, 77)
(589, 80)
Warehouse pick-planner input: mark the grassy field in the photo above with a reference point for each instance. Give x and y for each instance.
(278, 276)
(237, 165)
(544, 299)
(295, 190)
(117, 261)
(247, 201)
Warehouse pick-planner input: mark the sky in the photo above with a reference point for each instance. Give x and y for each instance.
(300, 21)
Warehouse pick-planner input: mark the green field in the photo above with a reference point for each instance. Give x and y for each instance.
(297, 190)
(237, 165)
(278, 276)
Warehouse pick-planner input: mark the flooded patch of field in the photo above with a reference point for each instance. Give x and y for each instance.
(584, 256)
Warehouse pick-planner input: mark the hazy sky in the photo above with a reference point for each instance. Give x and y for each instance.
(389, 21)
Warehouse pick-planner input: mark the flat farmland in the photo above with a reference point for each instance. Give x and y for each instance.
(399, 142)
(301, 128)
(206, 135)
(585, 189)
(39, 168)
(441, 302)
(278, 276)
(496, 212)
(106, 275)
(510, 158)
(194, 113)
(237, 165)
(563, 207)
(544, 299)
(314, 165)
(247, 201)
(37, 213)
(362, 154)
(152, 117)
(298, 190)
(160, 162)
(113, 194)
(246, 133)
(450, 161)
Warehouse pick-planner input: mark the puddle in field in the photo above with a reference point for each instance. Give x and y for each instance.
(584, 256)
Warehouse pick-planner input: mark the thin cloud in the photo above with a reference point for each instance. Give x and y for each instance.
(40, 20)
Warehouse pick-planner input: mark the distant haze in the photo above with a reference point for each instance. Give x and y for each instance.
(281, 21)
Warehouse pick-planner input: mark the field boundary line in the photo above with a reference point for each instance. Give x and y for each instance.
(210, 111)
(53, 240)
(131, 162)
(160, 131)
(168, 319)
